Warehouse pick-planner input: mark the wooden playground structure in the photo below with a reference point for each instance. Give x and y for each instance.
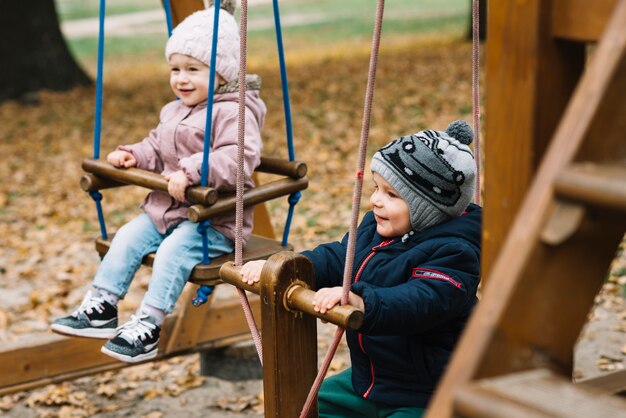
(554, 202)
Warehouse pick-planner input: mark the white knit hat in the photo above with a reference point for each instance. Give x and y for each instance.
(433, 171)
(194, 35)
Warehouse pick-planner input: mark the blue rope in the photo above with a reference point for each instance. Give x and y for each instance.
(202, 295)
(204, 291)
(293, 200)
(97, 197)
(202, 230)
(294, 197)
(97, 129)
(98, 112)
(204, 180)
(284, 82)
(168, 16)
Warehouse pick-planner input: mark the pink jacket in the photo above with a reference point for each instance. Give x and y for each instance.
(177, 144)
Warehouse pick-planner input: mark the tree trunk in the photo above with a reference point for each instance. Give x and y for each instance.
(482, 20)
(33, 51)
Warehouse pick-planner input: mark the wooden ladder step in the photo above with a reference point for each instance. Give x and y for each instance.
(256, 248)
(533, 394)
(594, 184)
(612, 383)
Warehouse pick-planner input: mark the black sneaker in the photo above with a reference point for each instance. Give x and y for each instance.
(136, 340)
(94, 318)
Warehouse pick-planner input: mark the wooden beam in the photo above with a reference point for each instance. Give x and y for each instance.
(538, 296)
(535, 394)
(298, 298)
(580, 20)
(596, 184)
(289, 338)
(259, 194)
(44, 359)
(183, 8)
(530, 78)
(609, 383)
(189, 321)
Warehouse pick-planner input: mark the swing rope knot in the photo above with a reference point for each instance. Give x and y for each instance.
(203, 227)
(294, 198)
(96, 196)
(202, 295)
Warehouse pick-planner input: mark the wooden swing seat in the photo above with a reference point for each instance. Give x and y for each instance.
(102, 175)
(256, 248)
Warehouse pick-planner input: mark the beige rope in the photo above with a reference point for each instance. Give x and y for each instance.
(356, 202)
(476, 93)
(245, 304)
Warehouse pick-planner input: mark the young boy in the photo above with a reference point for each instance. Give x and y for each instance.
(415, 275)
(174, 149)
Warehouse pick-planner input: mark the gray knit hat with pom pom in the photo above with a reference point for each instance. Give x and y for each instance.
(433, 171)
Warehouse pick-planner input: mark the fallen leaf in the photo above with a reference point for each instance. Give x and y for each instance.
(108, 390)
(6, 403)
(237, 404)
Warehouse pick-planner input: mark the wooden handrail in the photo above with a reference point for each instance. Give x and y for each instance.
(92, 183)
(593, 183)
(147, 179)
(251, 197)
(105, 176)
(293, 169)
(298, 298)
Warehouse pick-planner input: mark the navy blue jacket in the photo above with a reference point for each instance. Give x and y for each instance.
(418, 296)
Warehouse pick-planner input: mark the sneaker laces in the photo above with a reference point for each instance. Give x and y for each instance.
(136, 328)
(89, 304)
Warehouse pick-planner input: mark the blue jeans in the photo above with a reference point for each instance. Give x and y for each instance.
(177, 253)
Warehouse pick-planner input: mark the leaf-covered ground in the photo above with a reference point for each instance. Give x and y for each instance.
(47, 224)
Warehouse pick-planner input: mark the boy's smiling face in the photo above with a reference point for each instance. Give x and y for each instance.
(391, 211)
(189, 79)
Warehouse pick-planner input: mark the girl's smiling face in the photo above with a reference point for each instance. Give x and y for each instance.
(393, 217)
(189, 79)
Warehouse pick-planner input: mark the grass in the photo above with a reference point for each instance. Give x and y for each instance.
(330, 24)
(83, 9)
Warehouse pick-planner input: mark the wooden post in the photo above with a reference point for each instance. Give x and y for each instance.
(531, 76)
(540, 292)
(287, 378)
(183, 8)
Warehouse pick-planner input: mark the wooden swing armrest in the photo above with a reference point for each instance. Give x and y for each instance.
(293, 169)
(298, 298)
(143, 178)
(103, 175)
(92, 183)
(251, 197)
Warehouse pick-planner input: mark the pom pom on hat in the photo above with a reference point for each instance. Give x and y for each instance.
(461, 131)
(229, 5)
(433, 171)
(194, 36)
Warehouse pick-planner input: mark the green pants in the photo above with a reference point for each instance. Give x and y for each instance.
(336, 398)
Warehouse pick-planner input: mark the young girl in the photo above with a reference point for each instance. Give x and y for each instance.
(174, 149)
(415, 276)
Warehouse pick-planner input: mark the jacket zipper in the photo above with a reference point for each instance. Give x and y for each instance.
(360, 335)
